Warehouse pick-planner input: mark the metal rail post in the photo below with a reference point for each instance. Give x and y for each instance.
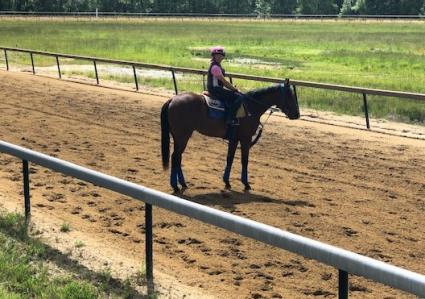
(342, 284)
(231, 80)
(25, 171)
(366, 112)
(149, 248)
(5, 58)
(95, 71)
(59, 68)
(135, 77)
(174, 81)
(32, 63)
(203, 82)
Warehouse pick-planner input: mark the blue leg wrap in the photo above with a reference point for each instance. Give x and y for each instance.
(173, 177)
(226, 175)
(181, 177)
(244, 176)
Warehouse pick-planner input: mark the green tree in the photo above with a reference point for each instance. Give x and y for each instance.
(311, 7)
(359, 7)
(410, 7)
(389, 7)
(4, 5)
(262, 8)
(346, 8)
(283, 6)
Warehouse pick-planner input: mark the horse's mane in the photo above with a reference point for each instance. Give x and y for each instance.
(262, 91)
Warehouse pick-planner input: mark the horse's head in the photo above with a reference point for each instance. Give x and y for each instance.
(288, 103)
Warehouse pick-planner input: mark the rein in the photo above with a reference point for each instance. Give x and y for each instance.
(262, 125)
(261, 128)
(252, 99)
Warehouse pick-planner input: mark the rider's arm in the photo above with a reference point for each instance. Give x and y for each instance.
(219, 75)
(228, 85)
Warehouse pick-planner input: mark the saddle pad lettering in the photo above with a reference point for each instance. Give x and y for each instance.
(214, 104)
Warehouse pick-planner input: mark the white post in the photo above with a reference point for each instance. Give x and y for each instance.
(97, 13)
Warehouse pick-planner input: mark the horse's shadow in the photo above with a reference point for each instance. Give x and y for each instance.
(228, 199)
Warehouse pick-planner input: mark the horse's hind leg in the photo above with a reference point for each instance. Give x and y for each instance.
(173, 174)
(176, 161)
(180, 176)
(245, 146)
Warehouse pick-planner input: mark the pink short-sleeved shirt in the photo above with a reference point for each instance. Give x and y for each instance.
(216, 71)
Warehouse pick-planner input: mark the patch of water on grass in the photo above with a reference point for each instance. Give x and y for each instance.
(245, 61)
(250, 61)
(110, 70)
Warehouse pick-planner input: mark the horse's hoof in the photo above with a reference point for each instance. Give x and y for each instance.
(184, 187)
(228, 186)
(176, 190)
(247, 187)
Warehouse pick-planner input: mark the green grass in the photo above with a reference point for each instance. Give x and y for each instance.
(65, 228)
(79, 244)
(385, 55)
(24, 274)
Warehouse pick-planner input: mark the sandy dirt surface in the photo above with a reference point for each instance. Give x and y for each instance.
(358, 190)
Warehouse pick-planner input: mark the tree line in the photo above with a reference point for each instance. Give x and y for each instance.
(258, 7)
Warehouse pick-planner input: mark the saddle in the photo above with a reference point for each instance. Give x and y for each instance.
(217, 109)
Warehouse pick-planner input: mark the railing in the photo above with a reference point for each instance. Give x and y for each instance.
(173, 70)
(205, 15)
(345, 261)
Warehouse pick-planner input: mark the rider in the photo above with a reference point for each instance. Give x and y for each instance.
(219, 87)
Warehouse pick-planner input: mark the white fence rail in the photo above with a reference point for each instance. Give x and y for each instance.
(345, 261)
(107, 14)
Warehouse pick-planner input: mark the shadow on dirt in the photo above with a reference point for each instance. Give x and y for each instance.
(229, 199)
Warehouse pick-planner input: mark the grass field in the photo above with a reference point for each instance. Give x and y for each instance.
(31, 269)
(387, 55)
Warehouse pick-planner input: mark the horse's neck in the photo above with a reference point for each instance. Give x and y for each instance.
(263, 103)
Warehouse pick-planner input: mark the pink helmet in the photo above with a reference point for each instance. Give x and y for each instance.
(217, 50)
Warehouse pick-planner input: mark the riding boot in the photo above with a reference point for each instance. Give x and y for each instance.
(231, 114)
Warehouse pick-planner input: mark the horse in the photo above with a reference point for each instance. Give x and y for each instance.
(188, 112)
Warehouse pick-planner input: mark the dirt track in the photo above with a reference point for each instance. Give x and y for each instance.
(358, 190)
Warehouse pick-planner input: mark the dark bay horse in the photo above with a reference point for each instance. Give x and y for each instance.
(187, 112)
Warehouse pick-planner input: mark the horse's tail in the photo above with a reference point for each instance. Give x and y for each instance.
(165, 135)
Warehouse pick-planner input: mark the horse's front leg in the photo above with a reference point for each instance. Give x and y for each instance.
(245, 146)
(233, 144)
